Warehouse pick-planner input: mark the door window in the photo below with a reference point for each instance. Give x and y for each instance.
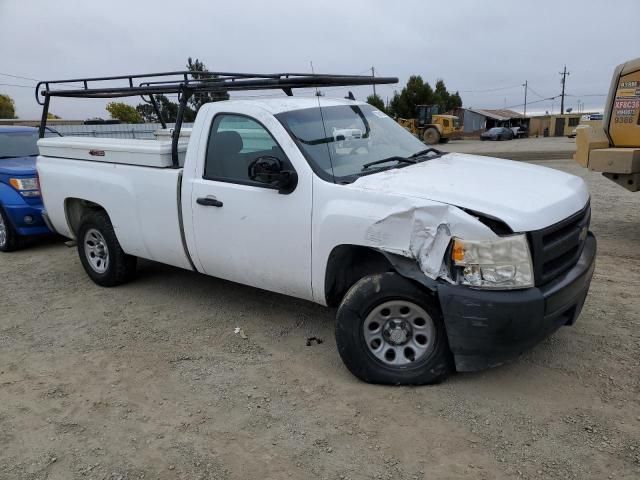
(234, 142)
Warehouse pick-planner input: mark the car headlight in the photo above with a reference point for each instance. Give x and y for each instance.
(28, 187)
(503, 263)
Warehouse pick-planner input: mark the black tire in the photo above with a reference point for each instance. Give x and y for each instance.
(11, 240)
(431, 136)
(444, 140)
(119, 267)
(361, 300)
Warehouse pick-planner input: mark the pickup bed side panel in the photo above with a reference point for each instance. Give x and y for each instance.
(142, 203)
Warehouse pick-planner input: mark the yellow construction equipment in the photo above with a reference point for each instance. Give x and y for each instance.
(430, 126)
(614, 149)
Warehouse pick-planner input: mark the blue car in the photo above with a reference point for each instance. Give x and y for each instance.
(20, 201)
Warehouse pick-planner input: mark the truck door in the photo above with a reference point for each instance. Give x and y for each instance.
(243, 230)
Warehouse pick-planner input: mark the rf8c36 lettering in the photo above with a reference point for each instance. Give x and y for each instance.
(389, 330)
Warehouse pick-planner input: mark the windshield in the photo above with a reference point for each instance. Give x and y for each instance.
(339, 140)
(18, 144)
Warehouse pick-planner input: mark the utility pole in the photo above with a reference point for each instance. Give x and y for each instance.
(373, 74)
(525, 98)
(564, 81)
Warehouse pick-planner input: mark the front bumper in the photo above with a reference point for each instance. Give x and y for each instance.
(18, 214)
(487, 328)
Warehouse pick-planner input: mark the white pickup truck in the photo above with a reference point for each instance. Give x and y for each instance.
(436, 261)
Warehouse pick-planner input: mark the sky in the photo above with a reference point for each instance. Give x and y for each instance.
(486, 50)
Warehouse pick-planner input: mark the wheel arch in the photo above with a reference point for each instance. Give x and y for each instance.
(349, 263)
(346, 265)
(75, 209)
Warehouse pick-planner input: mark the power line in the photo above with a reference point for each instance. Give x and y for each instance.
(536, 93)
(18, 76)
(490, 89)
(535, 101)
(16, 85)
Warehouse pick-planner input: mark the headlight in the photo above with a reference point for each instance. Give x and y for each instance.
(28, 187)
(503, 263)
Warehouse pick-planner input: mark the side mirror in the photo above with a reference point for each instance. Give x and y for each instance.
(270, 170)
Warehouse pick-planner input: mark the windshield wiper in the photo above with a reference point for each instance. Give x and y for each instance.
(390, 159)
(425, 152)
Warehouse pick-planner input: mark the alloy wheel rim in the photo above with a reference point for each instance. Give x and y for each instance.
(96, 251)
(3, 232)
(399, 333)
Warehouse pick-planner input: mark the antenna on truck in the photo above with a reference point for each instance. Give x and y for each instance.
(185, 84)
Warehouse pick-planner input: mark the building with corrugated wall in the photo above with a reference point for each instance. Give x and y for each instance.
(476, 120)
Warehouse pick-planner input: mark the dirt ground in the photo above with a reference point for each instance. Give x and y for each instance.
(150, 381)
(532, 144)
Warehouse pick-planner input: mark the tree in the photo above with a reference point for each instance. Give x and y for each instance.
(147, 112)
(376, 101)
(441, 96)
(418, 92)
(123, 112)
(445, 100)
(52, 116)
(7, 107)
(455, 101)
(197, 100)
(168, 110)
(415, 93)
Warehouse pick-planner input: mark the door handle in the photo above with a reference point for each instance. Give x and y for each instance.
(209, 202)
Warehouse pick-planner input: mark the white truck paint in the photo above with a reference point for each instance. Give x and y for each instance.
(283, 242)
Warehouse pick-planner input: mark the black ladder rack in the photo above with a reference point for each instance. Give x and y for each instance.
(186, 83)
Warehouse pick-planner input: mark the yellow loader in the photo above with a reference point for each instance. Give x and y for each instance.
(430, 126)
(614, 149)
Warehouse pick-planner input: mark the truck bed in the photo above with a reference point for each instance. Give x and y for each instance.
(145, 153)
(142, 201)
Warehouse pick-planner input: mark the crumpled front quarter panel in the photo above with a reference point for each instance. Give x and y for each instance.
(413, 227)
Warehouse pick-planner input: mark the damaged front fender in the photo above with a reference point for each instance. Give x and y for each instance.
(423, 233)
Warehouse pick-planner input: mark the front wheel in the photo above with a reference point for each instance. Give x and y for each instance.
(9, 239)
(431, 136)
(389, 331)
(100, 252)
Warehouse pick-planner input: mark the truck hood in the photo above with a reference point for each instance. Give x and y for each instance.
(526, 197)
(18, 166)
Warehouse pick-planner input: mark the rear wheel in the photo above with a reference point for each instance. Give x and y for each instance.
(100, 252)
(431, 136)
(9, 239)
(390, 331)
